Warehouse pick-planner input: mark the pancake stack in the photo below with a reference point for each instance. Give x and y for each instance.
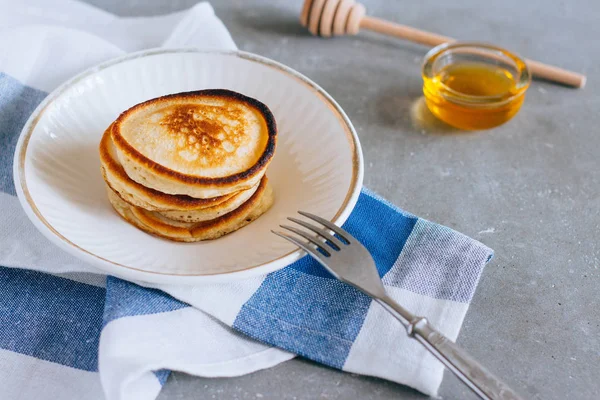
(190, 166)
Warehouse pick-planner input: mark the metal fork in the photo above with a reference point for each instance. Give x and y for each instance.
(349, 261)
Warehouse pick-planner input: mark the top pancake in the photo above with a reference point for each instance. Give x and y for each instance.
(153, 200)
(203, 144)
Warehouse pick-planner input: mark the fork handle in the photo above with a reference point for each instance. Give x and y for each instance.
(457, 360)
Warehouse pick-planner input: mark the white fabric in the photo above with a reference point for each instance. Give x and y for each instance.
(378, 332)
(210, 297)
(23, 246)
(25, 377)
(182, 340)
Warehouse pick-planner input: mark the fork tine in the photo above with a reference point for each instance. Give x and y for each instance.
(304, 246)
(307, 237)
(342, 233)
(337, 244)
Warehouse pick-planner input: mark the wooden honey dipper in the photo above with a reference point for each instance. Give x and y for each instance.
(346, 17)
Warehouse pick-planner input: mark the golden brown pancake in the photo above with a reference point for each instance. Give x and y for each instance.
(181, 207)
(209, 213)
(203, 144)
(158, 225)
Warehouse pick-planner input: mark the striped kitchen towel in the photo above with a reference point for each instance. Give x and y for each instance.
(67, 331)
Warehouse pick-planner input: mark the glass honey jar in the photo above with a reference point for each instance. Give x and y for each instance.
(474, 86)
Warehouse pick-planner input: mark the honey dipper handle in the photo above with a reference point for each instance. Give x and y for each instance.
(404, 32)
(538, 69)
(555, 74)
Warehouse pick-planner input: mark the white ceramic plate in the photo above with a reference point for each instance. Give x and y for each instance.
(317, 167)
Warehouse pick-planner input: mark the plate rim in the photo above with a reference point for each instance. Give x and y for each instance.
(136, 274)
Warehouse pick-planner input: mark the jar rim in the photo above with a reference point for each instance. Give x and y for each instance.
(521, 84)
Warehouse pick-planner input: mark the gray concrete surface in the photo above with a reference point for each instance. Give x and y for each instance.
(529, 189)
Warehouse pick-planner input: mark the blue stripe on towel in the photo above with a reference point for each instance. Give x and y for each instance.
(379, 227)
(17, 102)
(162, 375)
(59, 320)
(50, 318)
(293, 310)
(124, 299)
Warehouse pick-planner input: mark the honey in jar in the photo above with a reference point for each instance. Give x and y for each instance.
(472, 86)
